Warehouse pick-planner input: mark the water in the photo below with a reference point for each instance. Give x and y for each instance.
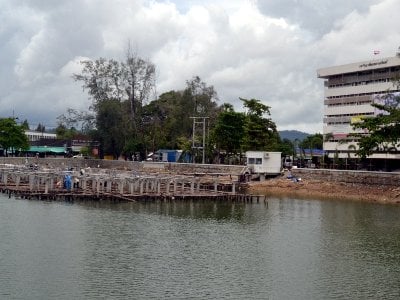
(290, 249)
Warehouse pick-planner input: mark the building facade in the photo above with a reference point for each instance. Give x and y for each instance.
(34, 136)
(349, 91)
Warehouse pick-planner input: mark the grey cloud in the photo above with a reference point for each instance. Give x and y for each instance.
(231, 46)
(316, 16)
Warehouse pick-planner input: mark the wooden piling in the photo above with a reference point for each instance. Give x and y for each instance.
(28, 184)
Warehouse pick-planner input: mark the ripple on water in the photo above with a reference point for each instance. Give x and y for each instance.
(290, 249)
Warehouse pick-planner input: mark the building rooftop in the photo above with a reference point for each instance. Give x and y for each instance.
(359, 66)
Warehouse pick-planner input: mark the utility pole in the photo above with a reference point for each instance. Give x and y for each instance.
(196, 146)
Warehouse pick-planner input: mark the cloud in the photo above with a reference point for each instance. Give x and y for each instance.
(267, 50)
(316, 16)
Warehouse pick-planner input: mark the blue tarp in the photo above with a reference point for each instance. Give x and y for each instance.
(315, 152)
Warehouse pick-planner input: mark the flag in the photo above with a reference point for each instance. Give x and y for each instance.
(376, 52)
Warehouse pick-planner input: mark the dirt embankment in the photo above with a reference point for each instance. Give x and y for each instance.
(318, 189)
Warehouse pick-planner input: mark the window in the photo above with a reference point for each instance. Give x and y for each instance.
(254, 161)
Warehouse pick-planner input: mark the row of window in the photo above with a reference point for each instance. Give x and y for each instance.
(345, 140)
(349, 115)
(350, 103)
(359, 83)
(367, 72)
(338, 123)
(361, 94)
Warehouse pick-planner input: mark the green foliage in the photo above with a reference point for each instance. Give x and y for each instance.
(382, 132)
(25, 125)
(236, 132)
(40, 128)
(287, 147)
(124, 123)
(184, 144)
(65, 133)
(164, 121)
(106, 79)
(110, 127)
(229, 130)
(260, 132)
(12, 136)
(167, 121)
(314, 141)
(85, 151)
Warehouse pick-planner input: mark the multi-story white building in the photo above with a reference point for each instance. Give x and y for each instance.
(349, 92)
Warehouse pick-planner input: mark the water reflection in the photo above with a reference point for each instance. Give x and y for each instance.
(288, 249)
(188, 209)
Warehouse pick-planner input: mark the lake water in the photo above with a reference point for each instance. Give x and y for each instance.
(290, 249)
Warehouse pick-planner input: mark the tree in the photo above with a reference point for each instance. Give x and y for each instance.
(163, 121)
(260, 132)
(40, 128)
(287, 148)
(139, 80)
(12, 136)
(109, 82)
(110, 127)
(166, 121)
(314, 141)
(25, 125)
(202, 98)
(132, 81)
(65, 133)
(74, 119)
(382, 132)
(229, 130)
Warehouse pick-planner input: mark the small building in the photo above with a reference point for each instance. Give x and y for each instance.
(263, 164)
(164, 155)
(50, 146)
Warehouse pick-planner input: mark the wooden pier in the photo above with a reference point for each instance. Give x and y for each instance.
(117, 186)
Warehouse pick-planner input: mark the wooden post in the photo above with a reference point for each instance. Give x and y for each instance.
(131, 187)
(141, 187)
(31, 181)
(216, 185)
(5, 178)
(17, 180)
(46, 186)
(192, 187)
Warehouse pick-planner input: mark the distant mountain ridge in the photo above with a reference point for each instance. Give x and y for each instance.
(292, 135)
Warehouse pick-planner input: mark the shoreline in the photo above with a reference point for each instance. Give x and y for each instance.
(324, 190)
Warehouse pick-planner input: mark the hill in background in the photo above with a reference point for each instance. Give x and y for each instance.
(293, 135)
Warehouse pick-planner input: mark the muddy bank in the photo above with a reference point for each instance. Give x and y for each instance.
(319, 189)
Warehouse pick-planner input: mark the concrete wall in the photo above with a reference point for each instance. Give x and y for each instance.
(147, 167)
(352, 177)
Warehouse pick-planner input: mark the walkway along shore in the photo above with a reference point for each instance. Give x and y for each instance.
(117, 185)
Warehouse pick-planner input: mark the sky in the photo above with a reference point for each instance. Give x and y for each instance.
(266, 49)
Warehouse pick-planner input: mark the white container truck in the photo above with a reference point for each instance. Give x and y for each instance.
(264, 164)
